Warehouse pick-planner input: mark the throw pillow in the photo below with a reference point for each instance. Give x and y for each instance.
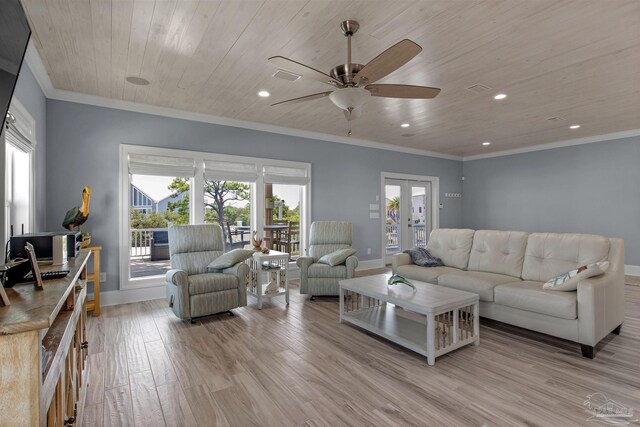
(422, 257)
(337, 257)
(569, 281)
(229, 259)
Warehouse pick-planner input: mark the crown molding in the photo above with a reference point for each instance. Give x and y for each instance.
(559, 144)
(34, 61)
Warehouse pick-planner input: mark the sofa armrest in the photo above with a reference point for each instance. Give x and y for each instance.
(351, 263)
(241, 271)
(600, 307)
(178, 292)
(399, 259)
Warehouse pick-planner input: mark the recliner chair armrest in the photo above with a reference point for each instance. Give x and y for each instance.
(351, 263)
(178, 293)
(304, 262)
(179, 278)
(241, 271)
(600, 306)
(399, 259)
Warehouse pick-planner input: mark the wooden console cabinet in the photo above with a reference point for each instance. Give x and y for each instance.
(43, 351)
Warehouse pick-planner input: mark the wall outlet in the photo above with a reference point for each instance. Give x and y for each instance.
(368, 251)
(103, 277)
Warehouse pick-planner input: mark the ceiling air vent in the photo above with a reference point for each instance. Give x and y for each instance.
(286, 75)
(479, 88)
(555, 119)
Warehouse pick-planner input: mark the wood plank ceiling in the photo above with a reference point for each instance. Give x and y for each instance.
(577, 60)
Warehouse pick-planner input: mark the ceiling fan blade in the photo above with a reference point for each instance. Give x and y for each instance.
(305, 98)
(353, 114)
(403, 91)
(303, 70)
(387, 62)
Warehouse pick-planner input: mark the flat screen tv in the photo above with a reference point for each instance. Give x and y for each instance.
(14, 36)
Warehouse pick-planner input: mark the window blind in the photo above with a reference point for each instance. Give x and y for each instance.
(220, 170)
(144, 164)
(15, 137)
(286, 175)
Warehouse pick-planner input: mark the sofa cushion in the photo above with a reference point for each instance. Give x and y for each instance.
(451, 245)
(478, 282)
(423, 274)
(550, 254)
(211, 282)
(529, 296)
(327, 271)
(500, 252)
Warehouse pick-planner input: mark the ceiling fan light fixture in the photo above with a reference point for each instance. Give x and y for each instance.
(350, 98)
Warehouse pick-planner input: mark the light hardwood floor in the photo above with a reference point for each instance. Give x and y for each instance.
(284, 366)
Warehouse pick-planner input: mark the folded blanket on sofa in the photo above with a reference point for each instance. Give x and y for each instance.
(422, 257)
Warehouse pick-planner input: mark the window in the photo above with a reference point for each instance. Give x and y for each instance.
(19, 171)
(232, 191)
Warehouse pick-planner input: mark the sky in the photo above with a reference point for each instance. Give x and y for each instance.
(157, 188)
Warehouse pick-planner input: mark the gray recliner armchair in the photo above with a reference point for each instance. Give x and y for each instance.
(321, 279)
(192, 291)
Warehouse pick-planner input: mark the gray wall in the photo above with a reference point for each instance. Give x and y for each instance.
(592, 188)
(84, 144)
(31, 97)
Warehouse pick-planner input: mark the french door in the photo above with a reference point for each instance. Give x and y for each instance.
(410, 213)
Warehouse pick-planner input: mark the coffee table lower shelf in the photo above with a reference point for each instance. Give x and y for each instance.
(388, 323)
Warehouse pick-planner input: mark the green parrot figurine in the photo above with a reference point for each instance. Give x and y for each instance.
(77, 216)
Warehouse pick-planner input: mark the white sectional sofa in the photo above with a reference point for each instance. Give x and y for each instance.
(508, 268)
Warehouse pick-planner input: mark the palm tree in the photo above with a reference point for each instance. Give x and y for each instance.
(393, 210)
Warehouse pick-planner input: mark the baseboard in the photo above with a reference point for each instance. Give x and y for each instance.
(369, 264)
(632, 270)
(131, 295)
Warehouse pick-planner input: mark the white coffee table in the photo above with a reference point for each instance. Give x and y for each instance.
(260, 279)
(432, 321)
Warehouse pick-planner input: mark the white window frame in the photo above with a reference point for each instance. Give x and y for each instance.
(197, 200)
(25, 127)
(435, 205)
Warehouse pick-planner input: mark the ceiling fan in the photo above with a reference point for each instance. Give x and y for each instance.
(354, 83)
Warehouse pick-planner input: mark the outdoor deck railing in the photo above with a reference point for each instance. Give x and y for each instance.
(419, 235)
(141, 241)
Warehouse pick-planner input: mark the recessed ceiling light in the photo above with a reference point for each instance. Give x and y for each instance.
(574, 127)
(264, 94)
(405, 125)
(500, 96)
(138, 81)
(486, 143)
